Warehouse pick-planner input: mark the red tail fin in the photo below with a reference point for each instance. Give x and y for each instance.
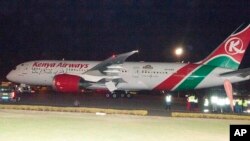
(230, 52)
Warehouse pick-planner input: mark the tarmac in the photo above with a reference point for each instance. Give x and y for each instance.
(154, 104)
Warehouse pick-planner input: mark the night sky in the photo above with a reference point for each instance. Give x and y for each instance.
(94, 30)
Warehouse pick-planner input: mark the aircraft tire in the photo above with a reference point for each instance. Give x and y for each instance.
(108, 95)
(114, 95)
(123, 95)
(128, 95)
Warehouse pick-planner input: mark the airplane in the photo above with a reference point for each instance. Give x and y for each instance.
(114, 74)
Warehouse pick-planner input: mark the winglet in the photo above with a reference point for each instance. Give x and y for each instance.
(136, 51)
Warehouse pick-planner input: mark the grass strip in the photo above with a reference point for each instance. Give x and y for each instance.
(74, 109)
(210, 115)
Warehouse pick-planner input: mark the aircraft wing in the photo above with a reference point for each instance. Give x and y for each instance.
(107, 71)
(240, 73)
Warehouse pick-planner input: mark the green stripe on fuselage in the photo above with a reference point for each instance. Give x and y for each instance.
(197, 76)
(224, 62)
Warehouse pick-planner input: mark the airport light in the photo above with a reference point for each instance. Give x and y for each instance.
(179, 51)
(205, 110)
(214, 99)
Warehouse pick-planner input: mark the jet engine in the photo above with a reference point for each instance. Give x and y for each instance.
(67, 83)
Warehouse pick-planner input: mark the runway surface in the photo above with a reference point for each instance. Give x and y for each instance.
(153, 103)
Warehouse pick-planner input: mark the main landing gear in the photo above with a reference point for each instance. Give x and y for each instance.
(116, 94)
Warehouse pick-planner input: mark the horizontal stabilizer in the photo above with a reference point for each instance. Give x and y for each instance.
(240, 73)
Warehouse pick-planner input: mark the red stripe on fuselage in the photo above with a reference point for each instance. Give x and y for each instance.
(176, 78)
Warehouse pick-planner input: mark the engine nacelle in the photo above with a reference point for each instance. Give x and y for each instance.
(67, 83)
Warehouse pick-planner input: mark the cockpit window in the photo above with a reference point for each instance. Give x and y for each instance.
(19, 66)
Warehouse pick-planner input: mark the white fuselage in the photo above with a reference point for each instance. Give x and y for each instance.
(136, 75)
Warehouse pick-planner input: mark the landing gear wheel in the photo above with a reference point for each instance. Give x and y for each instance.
(114, 95)
(128, 95)
(122, 95)
(107, 95)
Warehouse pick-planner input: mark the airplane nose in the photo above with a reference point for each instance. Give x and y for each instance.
(10, 76)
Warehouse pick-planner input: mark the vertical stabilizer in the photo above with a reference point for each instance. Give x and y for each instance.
(230, 52)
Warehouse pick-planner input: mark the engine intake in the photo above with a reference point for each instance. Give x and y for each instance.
(67, 83)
